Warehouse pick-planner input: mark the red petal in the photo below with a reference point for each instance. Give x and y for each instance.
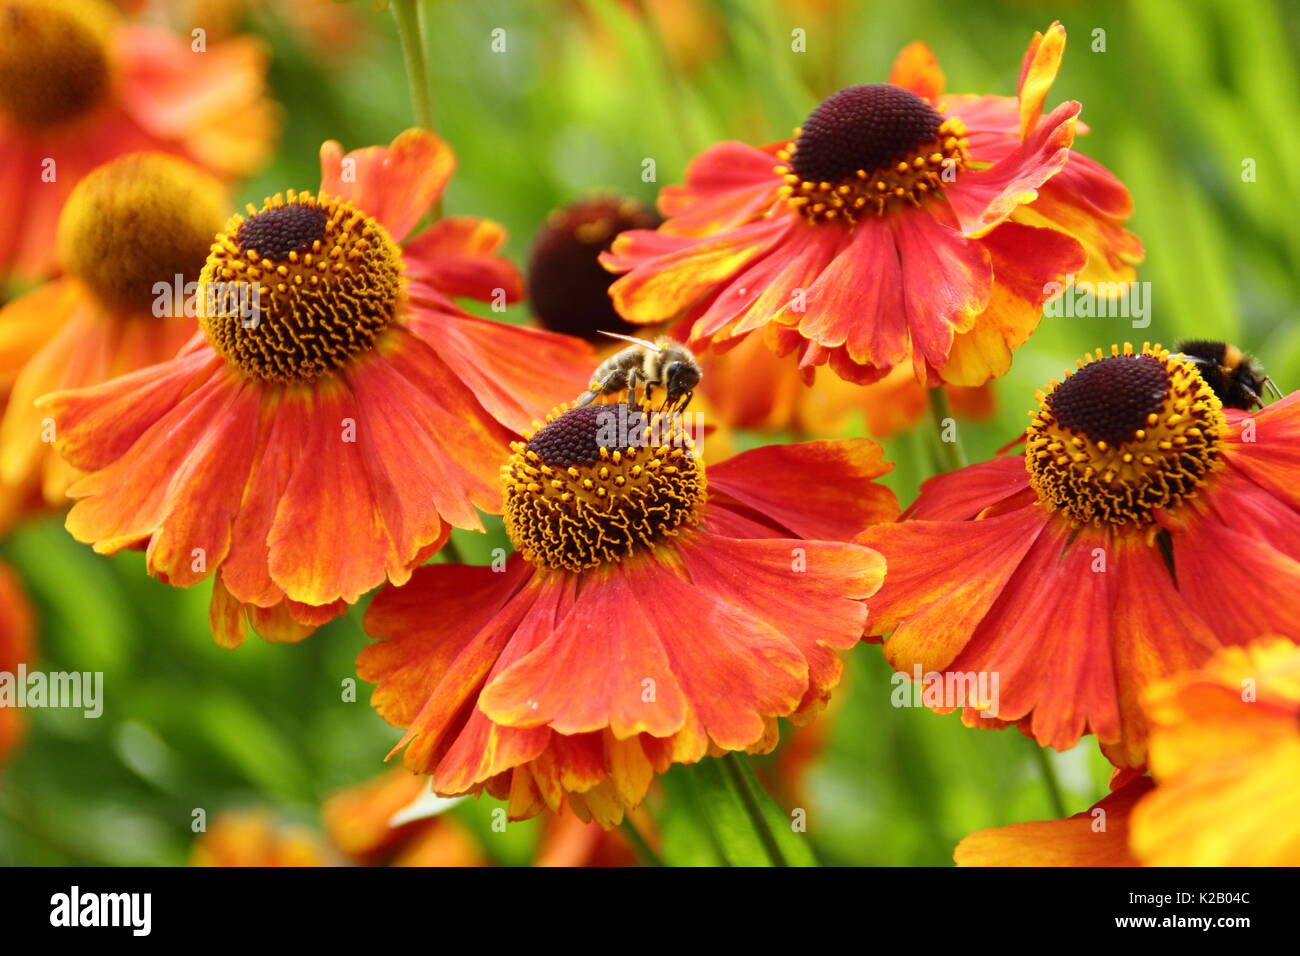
(983, 198)
(396, 183)
(517, 374)
(456, 255)
(818, 489)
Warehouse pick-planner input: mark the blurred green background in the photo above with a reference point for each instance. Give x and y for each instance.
(1184, 92)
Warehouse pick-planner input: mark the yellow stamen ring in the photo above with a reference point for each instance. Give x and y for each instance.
(585, 489)
(327, 280)
(1123, 436)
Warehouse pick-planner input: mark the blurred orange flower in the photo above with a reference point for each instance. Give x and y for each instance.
(78, 86)
(749, 386)
(138, 220)
(1225, 754)
(255, 838)
(337, 415)
(1144, 527)
(897, 222)
(642, 621)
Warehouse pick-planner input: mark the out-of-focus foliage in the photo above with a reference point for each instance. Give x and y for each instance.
(1182, 96)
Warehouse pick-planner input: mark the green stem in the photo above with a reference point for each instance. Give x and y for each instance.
(1050, 782)
(737, 767)
(451, 551)
(407, 15)
(640, 844)
(951, 456)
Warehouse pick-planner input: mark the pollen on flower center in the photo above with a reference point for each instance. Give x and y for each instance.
(1124, 435)
(598, 483)
(54, 65)
(136, 221)
(299, 287)
(867, 146)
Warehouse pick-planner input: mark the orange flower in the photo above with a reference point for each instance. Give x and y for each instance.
(638, 624)
(1225, 750)
(337, 415)
(751, 387)
(1225, 754)
(78, 87)
(1145, 526)
(17, 646)
(899, 221)
(254, 838)
(104, 318)
(1097, 837)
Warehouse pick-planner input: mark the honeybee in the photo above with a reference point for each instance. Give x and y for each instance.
(1232, 374)
(664, 363)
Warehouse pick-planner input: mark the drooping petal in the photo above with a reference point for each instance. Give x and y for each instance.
(663, 288)
(457, 256)
(727, 185)
(833, 578)
(857, 301)
(946, 282)
(983, 198)
(1028, 265)
(942, 580)
(517, 374)
(1059, 680)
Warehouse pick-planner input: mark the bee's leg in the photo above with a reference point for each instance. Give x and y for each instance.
(1271, 387)
(631, 388)
(599, 387)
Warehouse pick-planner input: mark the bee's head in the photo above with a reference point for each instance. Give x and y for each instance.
(680, 377)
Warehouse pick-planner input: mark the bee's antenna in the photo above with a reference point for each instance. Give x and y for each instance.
(631, 338)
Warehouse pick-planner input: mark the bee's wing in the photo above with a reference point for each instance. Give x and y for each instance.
(631, 338)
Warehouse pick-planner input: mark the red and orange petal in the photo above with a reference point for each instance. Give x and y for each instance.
(85, 343)
(255, 838)
(956, 283)
(751, 387)
(207, 106)
(301, 497)
(17, 646)
(1225, 748)
(1099, 836)
(544, 686)
(1018, 592)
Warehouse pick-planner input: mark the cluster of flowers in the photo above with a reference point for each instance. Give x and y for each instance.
(655, 610)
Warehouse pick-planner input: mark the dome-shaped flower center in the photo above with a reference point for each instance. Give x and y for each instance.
(138, 220)
(54, 65)
(568, 286)
(299, 287)
(1124, 435)
(597, 483)
(867, 146)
